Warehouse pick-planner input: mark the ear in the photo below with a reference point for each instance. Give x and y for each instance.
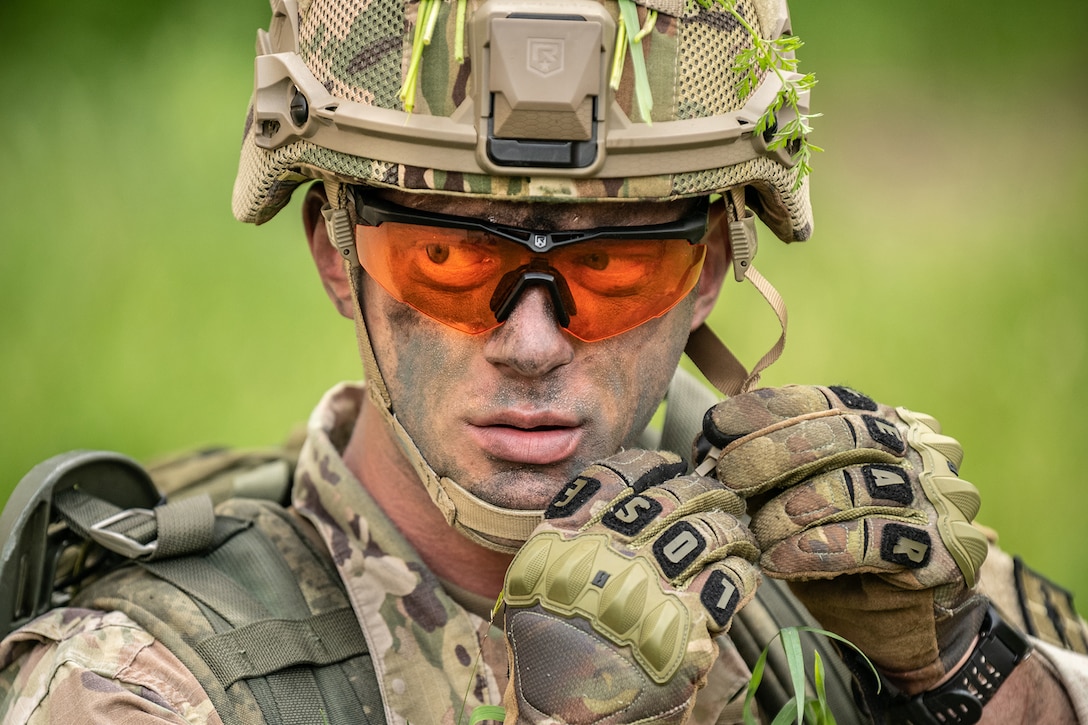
(330, 265)
(716, 265)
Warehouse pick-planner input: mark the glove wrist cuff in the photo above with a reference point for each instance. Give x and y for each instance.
(959, 701)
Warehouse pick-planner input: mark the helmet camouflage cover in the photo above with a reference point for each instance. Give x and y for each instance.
(520, 100)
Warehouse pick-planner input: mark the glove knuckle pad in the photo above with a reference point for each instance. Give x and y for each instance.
(620, 596)
(678, 548)
(888, 483)
(853, 399)
(632, 514)
(905, 546)
(885, 434)
(721, 597)
(573, 497)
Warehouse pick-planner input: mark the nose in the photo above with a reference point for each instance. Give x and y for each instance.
(530, 342)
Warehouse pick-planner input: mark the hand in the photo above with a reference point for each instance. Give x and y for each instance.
(612, 604)
(860, 508)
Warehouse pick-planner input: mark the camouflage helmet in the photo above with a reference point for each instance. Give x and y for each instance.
(520, 100)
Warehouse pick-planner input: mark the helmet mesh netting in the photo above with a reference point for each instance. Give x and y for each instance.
(707, 80)
(356, 54)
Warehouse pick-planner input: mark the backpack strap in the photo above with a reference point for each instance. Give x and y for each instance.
(264, 646)
(774, 606)
(173, 529)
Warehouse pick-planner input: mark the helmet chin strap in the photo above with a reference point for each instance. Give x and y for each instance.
(505, 529)
(714, 360)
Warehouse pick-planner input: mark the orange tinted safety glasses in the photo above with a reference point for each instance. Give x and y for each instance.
(469, 273)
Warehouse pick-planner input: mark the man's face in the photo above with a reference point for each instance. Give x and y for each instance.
(514, 413)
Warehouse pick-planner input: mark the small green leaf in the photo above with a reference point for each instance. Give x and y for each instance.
(618, 57)
(816, 709)
(459, 33)
(785, 716)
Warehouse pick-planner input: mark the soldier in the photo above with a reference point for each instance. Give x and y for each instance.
(528, 208)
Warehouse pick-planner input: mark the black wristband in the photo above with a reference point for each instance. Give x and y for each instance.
(959, 701)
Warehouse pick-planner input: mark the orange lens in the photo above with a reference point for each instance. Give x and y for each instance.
(451, 275)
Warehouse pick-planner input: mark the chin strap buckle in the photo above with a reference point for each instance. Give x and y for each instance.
(743, 243)
(341, 232)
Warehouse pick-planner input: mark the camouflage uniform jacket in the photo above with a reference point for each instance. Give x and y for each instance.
(433, 652)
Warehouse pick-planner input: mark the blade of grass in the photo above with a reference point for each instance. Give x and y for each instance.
(482, 712)
(643, 95)
(753, 685)
(823, 715)
(795, 660)
(487, 712)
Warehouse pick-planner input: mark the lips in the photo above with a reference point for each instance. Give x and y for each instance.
(538, 438)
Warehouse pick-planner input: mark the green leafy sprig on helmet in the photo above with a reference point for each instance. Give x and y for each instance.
(778, 56)
(765, 55)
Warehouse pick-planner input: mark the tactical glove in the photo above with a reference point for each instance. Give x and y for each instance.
(859, 506)
(613, 603)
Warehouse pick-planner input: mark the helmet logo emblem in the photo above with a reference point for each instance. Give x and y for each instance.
(545, 55)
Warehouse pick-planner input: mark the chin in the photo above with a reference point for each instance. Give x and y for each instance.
(524, 489)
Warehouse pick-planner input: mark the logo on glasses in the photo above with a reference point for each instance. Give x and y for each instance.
(545, 55)
(540, 241)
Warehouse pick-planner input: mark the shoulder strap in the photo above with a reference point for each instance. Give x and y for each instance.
(774, 607)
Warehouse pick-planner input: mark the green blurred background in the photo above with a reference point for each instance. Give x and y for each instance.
(945, 273)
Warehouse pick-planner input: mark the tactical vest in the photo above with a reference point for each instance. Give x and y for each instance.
(260, 616)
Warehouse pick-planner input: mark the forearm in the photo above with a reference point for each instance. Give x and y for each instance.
(1033, 693)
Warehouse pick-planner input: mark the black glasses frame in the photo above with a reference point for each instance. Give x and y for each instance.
(373, 211)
